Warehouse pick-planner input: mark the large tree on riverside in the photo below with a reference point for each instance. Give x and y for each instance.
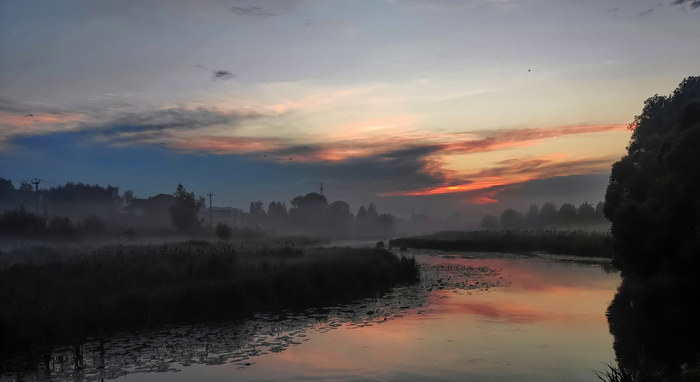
(653, 198)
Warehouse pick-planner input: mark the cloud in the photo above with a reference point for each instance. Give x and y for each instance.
(222, 75)
(645, 13)
(166, 126)
(484, 185)
(694, 4)
(387, 153)
(251, 11)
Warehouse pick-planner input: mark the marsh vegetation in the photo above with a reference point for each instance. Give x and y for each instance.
(130, 287)
(577, 243)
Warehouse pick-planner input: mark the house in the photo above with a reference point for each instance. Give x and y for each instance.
(153, 212)
(227, 215)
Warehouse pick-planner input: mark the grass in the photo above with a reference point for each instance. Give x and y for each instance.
(643, 373)
(127, 288)
(577, 243)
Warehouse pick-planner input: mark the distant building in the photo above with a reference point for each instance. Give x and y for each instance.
(153, 212)
(227, 215)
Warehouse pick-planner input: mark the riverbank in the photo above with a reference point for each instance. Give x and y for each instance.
(132, 287)
(575, 243)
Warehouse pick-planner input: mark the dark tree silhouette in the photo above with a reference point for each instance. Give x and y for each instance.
(548, 214)
(512, 219)
(362, 213)
(586, 213)
(599, 214)
(60, 227)
(338, 215)
(184, 213)
(532, 218)
(309, 209)
(223, 231)
(653, 198)
(372, 211)
(489, 222)
(256, 210)
(93, 225)
(383, 223)
(567, 214)
(7, 191)
(277, 211)
(20, 222)
(128, 196)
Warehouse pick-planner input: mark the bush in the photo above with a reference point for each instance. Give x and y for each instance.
(61, 228)
(21, 223)
(93, 226)
(223, 231)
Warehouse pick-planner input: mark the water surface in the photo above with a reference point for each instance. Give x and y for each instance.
(473, 316)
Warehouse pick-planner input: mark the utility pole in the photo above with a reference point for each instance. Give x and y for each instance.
(321, 189)
(210, 218)
(36, 183)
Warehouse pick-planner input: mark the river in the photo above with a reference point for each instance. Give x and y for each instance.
(473, 316)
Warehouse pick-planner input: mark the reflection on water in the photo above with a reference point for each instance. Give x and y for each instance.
(472, 315)
(655, 324)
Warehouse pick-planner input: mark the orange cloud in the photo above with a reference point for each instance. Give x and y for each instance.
(512, 172)
(12, 124)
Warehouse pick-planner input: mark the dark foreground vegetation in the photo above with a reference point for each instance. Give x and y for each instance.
(125, 288)
(653, 202)
(577, 243)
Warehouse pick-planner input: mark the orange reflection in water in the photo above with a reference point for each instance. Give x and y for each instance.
(546, 321)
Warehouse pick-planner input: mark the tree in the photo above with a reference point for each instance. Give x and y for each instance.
(128, 196)
(548, 214)
(567, 214)
(223, 231)
(653, 198)
(586, 213)
(60, 227)
(7, 191)
(361, 213)
(512, 219)
(383, 223)
(184, 213)
(489, 222)
(309, 209)
(256, 210)
(277, 211)
(338, 215)
(372, 211)
(532, 218)
(93, 225)
(600, 215)
(20, 222)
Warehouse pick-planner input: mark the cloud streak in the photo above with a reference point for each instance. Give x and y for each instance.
(694, 4)
(222, 75)
(251, 11)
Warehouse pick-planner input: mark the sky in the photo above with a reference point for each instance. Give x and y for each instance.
(419, 106)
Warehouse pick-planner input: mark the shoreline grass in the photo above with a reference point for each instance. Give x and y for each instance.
(576, 243)
(127, 288)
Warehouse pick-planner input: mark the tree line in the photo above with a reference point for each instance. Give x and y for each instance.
(312, 213)
(568, 215)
